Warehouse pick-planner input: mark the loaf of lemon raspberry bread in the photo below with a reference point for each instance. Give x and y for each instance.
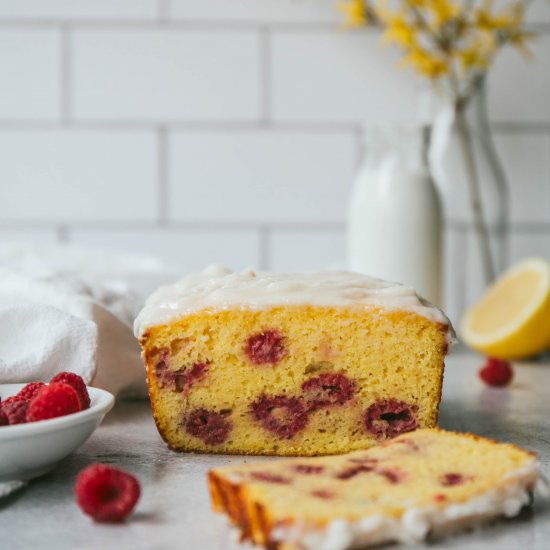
(427, 482)
(290, 364)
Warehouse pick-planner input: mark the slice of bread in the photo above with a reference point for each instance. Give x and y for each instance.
(428, 482)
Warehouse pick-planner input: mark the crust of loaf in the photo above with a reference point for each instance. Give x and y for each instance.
(251, 518)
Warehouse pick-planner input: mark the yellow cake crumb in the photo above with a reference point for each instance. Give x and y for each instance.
(338, 378)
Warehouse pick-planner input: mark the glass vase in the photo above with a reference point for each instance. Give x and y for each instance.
(475, 196)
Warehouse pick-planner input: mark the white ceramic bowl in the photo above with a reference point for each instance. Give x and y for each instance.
(30, 450)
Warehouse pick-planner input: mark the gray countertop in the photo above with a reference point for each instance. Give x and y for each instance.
(174, 510)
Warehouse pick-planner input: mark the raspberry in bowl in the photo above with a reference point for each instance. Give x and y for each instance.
(40, 424)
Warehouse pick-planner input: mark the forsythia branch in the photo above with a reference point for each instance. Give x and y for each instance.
(440, 37)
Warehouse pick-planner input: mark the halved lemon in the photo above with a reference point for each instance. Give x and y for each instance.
(512, 320)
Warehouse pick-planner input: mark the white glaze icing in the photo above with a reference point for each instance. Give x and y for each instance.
(218, 288)
(416, 523)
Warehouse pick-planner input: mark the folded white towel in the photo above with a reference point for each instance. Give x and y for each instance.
(39, 341)
(72, 309)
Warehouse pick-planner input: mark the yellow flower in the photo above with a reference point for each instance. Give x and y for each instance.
(426, 62)
(355, 12)
(382, 11)
(479, 53)
(443, 10)
(400, 31)
(519, 38)
(509, 18)
(438, 35)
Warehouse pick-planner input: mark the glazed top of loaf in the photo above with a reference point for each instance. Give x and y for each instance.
(218, 288)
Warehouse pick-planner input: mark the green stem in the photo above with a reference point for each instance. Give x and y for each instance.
(475, 194)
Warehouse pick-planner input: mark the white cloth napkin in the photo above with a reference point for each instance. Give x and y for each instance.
(72, 309)
(39, 341)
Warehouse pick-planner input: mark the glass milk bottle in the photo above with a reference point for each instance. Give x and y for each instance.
(394, 218)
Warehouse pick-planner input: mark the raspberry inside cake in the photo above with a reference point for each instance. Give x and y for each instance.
(262, 363)
(426, 482)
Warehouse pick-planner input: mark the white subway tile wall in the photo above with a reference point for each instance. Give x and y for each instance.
(186, 248)
(77, 175)
(260, 176)
(258, 11)
(165, 75)
(538, 12)
(529, 243)
(294, 250)
(229, 131)
(513, 72)
(30, 65)
(26, 235)
(336, 76)
(526, 159)
(55, 10)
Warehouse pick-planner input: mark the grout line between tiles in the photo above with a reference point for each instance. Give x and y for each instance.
(503, 127)
(220, 225)
(500, 128)
(514, 227)
(65, 76)
(163, 10)
(182, 126)
(358, 133)
(162, 175)
(63, 234)
(517, 228)
(265, 75)
(164, 20)
(264, 253)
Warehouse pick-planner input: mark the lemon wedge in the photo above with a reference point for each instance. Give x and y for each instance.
(512, 320)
